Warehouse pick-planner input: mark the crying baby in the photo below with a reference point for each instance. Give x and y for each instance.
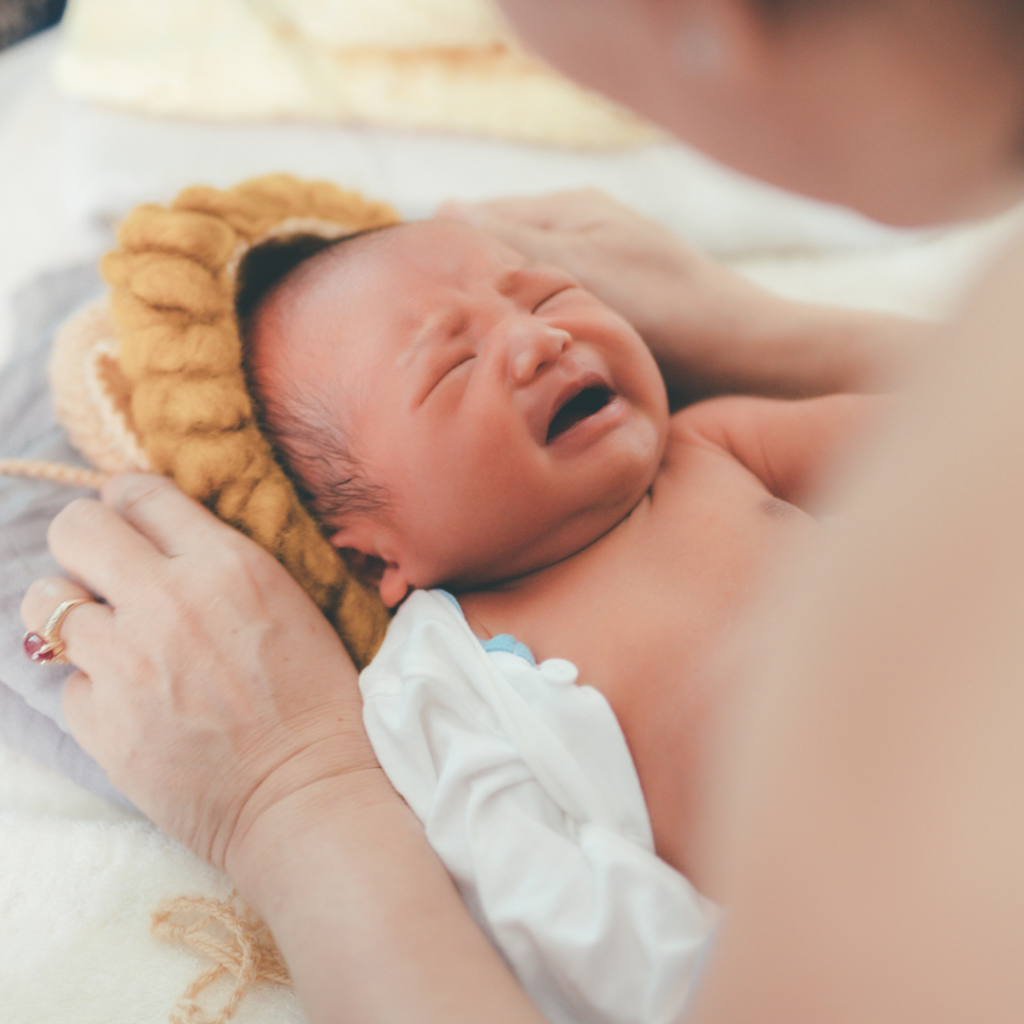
(462, 418)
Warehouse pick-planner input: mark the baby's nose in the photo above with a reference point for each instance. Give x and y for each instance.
(533, 347)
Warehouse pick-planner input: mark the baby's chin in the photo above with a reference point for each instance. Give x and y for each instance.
(580, 517)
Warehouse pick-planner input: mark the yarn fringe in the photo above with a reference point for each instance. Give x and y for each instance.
(73, 476)
(234, 938)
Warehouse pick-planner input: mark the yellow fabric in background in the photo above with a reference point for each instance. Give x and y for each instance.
(441, 65)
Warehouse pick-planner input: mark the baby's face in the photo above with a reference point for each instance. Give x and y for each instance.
(510, 416)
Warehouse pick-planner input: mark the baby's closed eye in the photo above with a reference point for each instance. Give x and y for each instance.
(551, 296)
(460, 362)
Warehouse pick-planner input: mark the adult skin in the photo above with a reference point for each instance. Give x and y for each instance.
(305, 822)
(908, 110)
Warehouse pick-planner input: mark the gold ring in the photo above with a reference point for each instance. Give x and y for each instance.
(47, 646)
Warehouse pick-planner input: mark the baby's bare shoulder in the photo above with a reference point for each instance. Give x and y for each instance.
(701, 449)
(786, 444)
(713, 423)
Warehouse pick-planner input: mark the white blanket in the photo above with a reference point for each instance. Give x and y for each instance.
(78, 882)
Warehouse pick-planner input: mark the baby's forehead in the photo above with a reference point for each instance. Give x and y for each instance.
(435, 246)
(407, 267)
(382, 289)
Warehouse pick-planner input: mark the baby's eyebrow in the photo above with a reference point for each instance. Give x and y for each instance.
(511, 279)
(532, 272)
(439, 325)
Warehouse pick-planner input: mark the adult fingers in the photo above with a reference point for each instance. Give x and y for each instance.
(111, 546)
(79, 705)
(85, 627)
(523, 236)
(572, 210)
(532, 212)
(44, 595)
(171, 520)
(104, 552)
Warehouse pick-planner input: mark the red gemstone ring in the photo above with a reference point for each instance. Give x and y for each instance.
(48, 646)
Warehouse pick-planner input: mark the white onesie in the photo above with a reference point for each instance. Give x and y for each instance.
(530, 797)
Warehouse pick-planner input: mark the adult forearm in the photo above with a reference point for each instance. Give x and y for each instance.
(766, 345)
(369, 922)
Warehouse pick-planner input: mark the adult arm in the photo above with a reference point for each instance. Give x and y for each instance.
(370, 923)
(223, 705)
(711, 330)
(872, 850)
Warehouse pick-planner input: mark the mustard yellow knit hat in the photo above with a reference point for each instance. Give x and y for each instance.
(153, 378)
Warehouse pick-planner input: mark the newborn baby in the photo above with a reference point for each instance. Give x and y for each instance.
(464, 419)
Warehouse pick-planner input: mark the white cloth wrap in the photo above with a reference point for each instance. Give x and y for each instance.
(530, 797)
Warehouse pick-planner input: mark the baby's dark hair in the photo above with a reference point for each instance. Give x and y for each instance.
(305, 432)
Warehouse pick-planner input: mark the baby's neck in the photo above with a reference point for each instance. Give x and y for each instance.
(518, 602)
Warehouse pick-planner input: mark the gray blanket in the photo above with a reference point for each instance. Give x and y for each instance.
(31, 719)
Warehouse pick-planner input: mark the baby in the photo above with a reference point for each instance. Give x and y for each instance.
(462, 418)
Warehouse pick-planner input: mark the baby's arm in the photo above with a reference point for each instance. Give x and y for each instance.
(791, 446)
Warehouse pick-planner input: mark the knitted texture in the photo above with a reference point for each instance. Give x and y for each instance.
(173, 282)
(237, 942)
(90, 394)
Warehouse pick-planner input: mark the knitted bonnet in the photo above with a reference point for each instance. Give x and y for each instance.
(153, 377)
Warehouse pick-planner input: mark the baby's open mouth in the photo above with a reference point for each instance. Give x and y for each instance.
(583, 404)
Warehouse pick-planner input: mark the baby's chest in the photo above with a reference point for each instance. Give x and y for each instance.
(642, 611)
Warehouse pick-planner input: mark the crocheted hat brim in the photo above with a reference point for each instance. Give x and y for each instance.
(155, 378)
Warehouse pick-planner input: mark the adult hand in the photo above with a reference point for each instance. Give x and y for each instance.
(223, 704)
(673, 294)
(711, 330)
(210, 687)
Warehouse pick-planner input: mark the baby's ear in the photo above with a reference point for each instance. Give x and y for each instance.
(367, 568)
(361, 549)
(394, 587)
